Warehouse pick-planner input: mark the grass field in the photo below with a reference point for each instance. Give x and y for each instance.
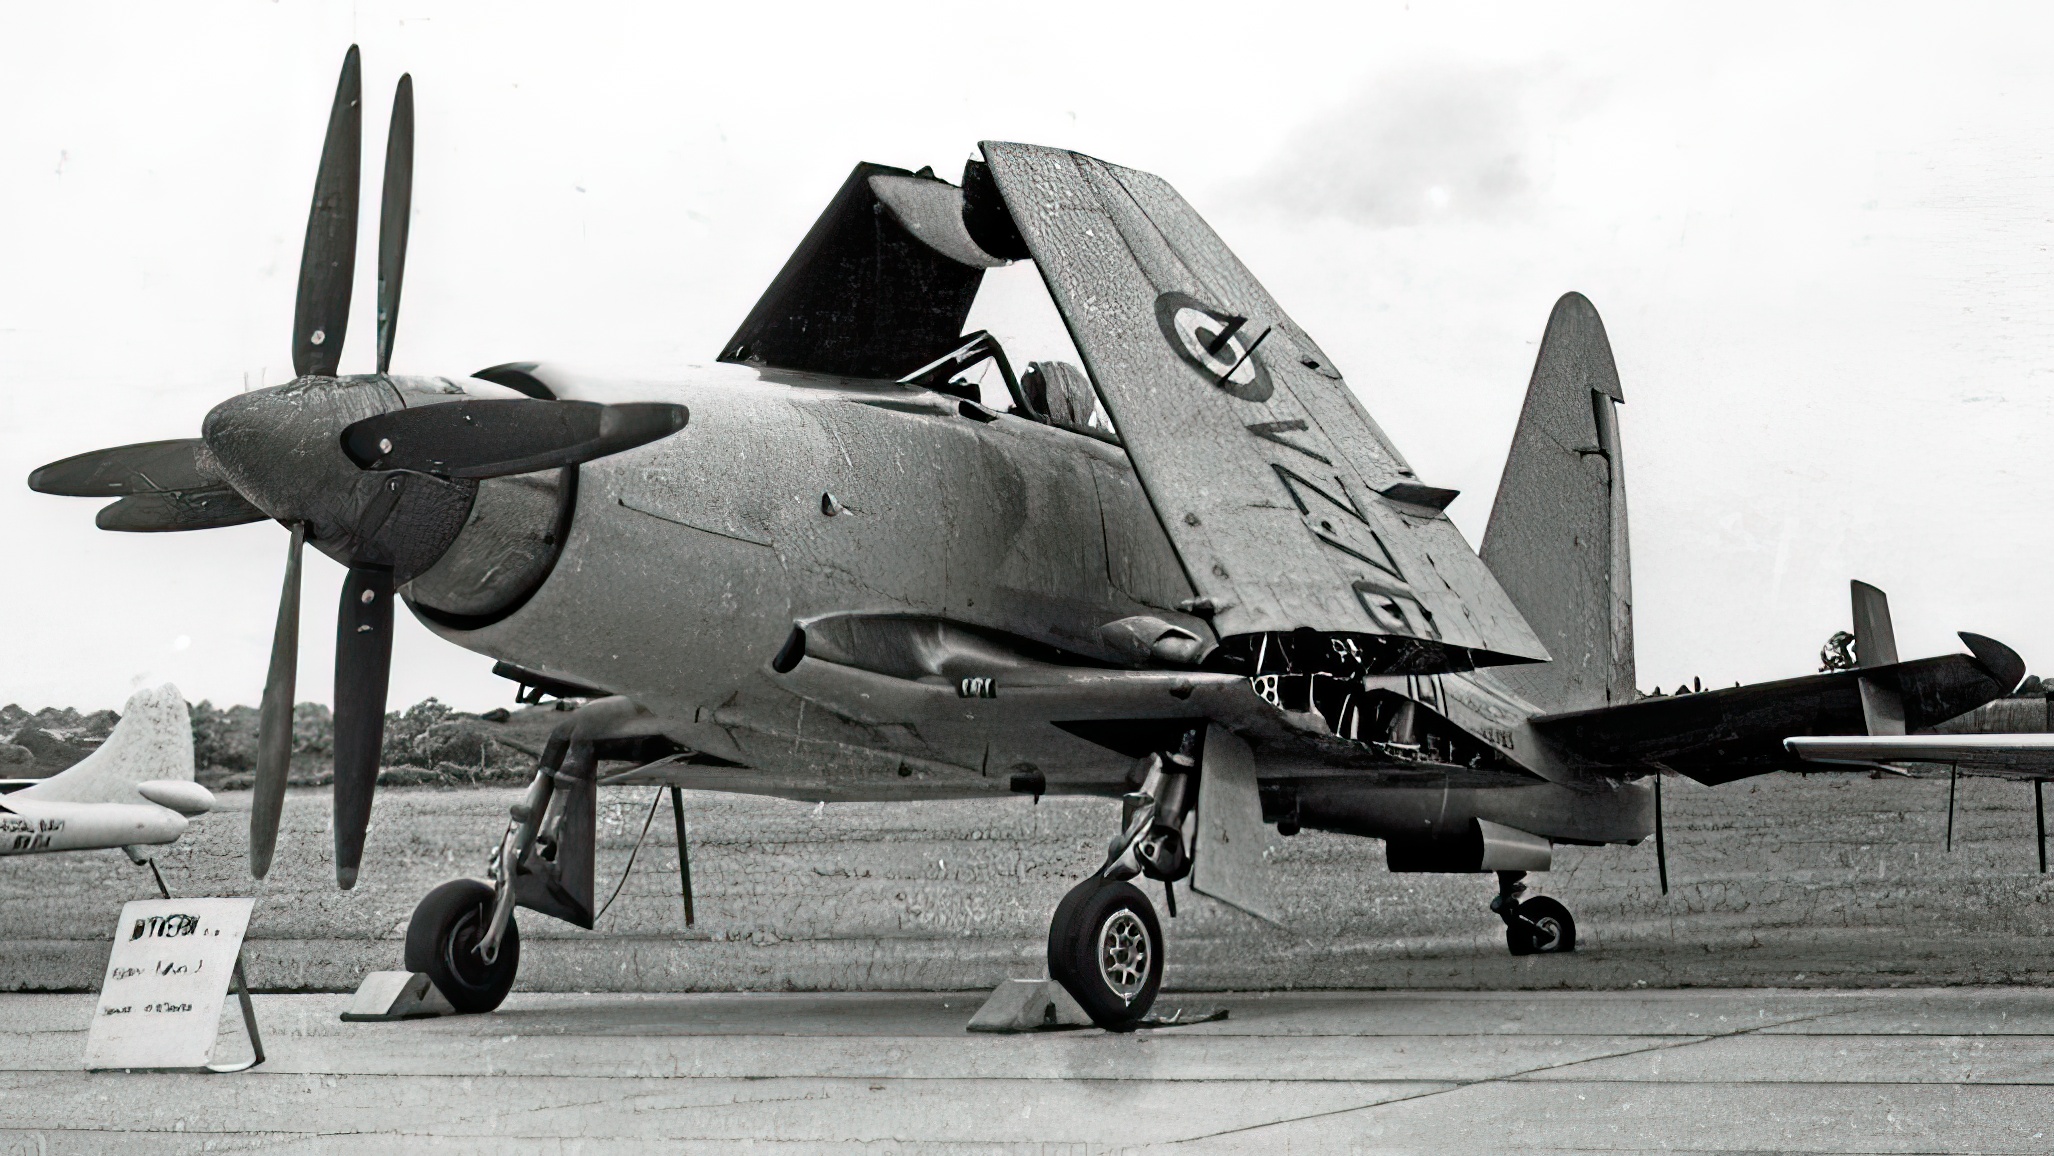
(1817, 880)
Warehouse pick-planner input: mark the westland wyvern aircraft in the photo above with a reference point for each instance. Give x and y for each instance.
(822, 569)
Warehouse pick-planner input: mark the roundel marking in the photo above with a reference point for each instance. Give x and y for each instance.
(1193, 329)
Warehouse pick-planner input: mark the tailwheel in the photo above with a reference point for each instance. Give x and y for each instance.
(1106, 948)
(1541, 926)
(442, 940)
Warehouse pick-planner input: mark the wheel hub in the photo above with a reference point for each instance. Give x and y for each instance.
(1123, 954)
(463, 958)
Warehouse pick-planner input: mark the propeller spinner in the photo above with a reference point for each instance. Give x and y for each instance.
(358, 466)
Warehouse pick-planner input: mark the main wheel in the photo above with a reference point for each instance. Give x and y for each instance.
(1545, 927)
(442, 940)
(1106, 949)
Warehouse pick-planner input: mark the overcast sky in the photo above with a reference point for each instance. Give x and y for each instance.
(1818, 235)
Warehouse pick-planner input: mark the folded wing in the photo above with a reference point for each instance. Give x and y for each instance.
(1288, 507)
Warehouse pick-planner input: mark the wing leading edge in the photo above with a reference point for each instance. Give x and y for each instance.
(1288, 507)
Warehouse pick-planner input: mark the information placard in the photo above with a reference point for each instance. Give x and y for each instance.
(160, 1003)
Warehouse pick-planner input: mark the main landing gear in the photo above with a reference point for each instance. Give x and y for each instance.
(443, 938)
(1105, 945)
(463, 934)
(1539, 926)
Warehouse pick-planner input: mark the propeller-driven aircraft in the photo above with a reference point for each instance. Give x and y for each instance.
(1192, 573)
(135, 791)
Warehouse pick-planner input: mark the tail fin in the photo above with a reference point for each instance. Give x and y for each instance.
(1557, 534)
(1875, 644)
(153, 742)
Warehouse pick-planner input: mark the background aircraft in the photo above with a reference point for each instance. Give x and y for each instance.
(136, 790)
(1885, 744)
(1192, 574)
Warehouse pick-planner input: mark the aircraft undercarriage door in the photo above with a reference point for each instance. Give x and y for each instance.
(1228, 863)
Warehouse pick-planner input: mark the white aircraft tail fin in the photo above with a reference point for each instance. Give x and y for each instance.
(152, 742)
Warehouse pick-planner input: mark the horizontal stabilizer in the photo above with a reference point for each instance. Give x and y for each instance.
(1717, 736)
(1289, 509)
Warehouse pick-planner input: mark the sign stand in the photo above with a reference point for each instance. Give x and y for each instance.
(167, 977)
(249, 1023)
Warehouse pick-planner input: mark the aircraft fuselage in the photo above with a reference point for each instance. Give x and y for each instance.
(791, 498)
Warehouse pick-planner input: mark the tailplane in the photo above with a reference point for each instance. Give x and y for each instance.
(1557, 534)
(153, 743)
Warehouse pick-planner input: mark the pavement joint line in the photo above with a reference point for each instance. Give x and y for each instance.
(1960, 1083)
(1457, 1086)
(465, 1077)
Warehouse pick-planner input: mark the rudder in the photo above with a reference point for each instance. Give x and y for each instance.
(1557, 535)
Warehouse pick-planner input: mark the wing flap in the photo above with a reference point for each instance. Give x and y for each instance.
(1268, 475)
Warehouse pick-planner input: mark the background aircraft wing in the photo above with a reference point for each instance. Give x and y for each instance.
(1717, 736)
(1288, 507)
(2024, 757)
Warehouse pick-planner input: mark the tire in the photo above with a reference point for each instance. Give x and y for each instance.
(1557, 932)
(445, 928)
(1106, 948)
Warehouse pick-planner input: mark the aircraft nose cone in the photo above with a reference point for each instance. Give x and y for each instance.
(281, 448)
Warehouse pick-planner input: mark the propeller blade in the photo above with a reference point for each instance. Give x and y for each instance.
(392, 216)
(363, 663)
(274, 720)
(321, 314)
(492, 438)
(172, 510)
(143, 468)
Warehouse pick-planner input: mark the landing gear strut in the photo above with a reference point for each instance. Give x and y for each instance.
(1539, 926)
(463, 932)
(1105, 944)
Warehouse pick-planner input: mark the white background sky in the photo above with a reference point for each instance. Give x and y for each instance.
(1818, 235)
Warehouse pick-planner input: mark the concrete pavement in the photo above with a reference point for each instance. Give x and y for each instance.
(1905, 1070)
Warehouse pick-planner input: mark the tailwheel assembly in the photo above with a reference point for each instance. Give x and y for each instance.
(444, 939)
(1106, 948)
(1542, 927)
(1539, 926)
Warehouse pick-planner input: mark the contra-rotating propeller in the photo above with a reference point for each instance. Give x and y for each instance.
(291, 453)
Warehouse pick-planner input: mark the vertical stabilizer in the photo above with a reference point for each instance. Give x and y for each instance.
(1875, 639)
(1875, 644)
(1557, 534)
(153, 742)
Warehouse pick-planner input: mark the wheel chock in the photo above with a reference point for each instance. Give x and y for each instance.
(1029, 1005)
(396, 995)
